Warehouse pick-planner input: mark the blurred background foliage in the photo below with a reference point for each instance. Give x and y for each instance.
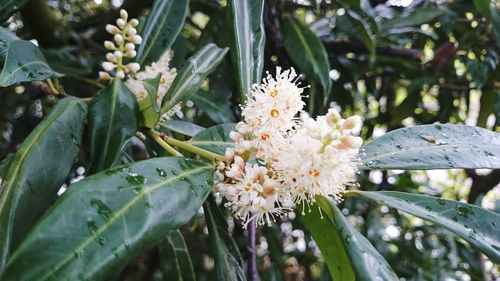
(396, 63)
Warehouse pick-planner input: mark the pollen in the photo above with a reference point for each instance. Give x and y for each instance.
(264, 137)
(274, 92)
(275, 113)
(248, 186)
(162, 81)
(314, 173)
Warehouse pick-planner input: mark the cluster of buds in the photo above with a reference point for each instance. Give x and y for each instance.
(279, 160)
(125, 38)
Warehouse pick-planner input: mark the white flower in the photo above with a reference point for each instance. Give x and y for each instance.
(274, 104)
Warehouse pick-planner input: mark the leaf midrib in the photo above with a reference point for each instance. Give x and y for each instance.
(117, 215)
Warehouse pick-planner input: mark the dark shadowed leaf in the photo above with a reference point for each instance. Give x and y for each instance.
(215, 139)
(228, 261)
(434, 147)
(191, 76)
(104, 221)
(112, 121)
(37, 171)
(175, 259)
(247, 40)
(474, 224)
(218, 108)
(349, 255)
(307, 52)
(162, 26)
(415, 18)
(150, 110)
(24, 62)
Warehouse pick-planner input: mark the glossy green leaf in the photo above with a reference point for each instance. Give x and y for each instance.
(112, 121)
(228, 261)
(349, 255)
(474, 224)
(247, 40)
(218, 108)
(191, 76)
(24, 62)
(4, 164)
(175, 259)
(415, 18)
(495, 22)
(433, 147)
(8, 7)
(330, 244)
(483, 7)
(215, 139)
(104, 221)
(162, 27)
(150, 110)
(37, 171)
(5, 38)
(307, 52)
(63, 61)
(182, 127)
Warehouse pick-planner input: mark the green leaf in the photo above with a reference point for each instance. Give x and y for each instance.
(247, 40)
(175, 259)
(215, 139)
(416, 17)
(483, 7)
(182, 127)
(112, 121)
(349, 255)
(37, 171)
(495, 22)
(4, 164)
(8, 7)
(162, 27)
(104, 221)
(150, 110)
(218, 108)
(62, 61)
(474, 224)
(24, 62)
(228, 261)
(5, 38)
(307, 52)
(191, 76)
(433, 147)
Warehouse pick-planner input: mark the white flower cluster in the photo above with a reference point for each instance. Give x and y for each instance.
(280, 160)
(125, 38)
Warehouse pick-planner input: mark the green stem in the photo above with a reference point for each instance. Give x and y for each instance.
(194, 149)
(159, 140)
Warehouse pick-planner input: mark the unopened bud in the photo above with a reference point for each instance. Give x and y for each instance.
(130, 46)
(239, 162)
(112, 29)
(333, 117)
(104, 75)
(109, 45)
(351, 123)
(121, 23)
(120, 74)
(118, 54)
(229, 155)
(131, 31)
(130, 53)
(134, 22)
(119, 39)
(136, 39)
(110, 57)
(108, 66)
(123, 14)
(133, 67)
(351, 142)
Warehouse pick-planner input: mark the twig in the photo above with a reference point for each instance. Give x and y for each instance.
(252, 253)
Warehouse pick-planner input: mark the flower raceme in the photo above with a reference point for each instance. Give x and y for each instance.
(280, 159)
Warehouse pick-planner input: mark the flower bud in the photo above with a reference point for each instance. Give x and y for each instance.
(130, 46)
(332, 117)
(130, 53)
(123, 14)
(118, 54)
(121, 23)
(229, 155)
(351, 123)
(104, 75)
(136, 39)
(112, 29)
(109, 45)
(133, 67)
(131, 31)
(134, 22)
(235, 136)
(351, 142)
(239, 162)
(110, 57)
(108, 66)
(119, 39)
(120, 74)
